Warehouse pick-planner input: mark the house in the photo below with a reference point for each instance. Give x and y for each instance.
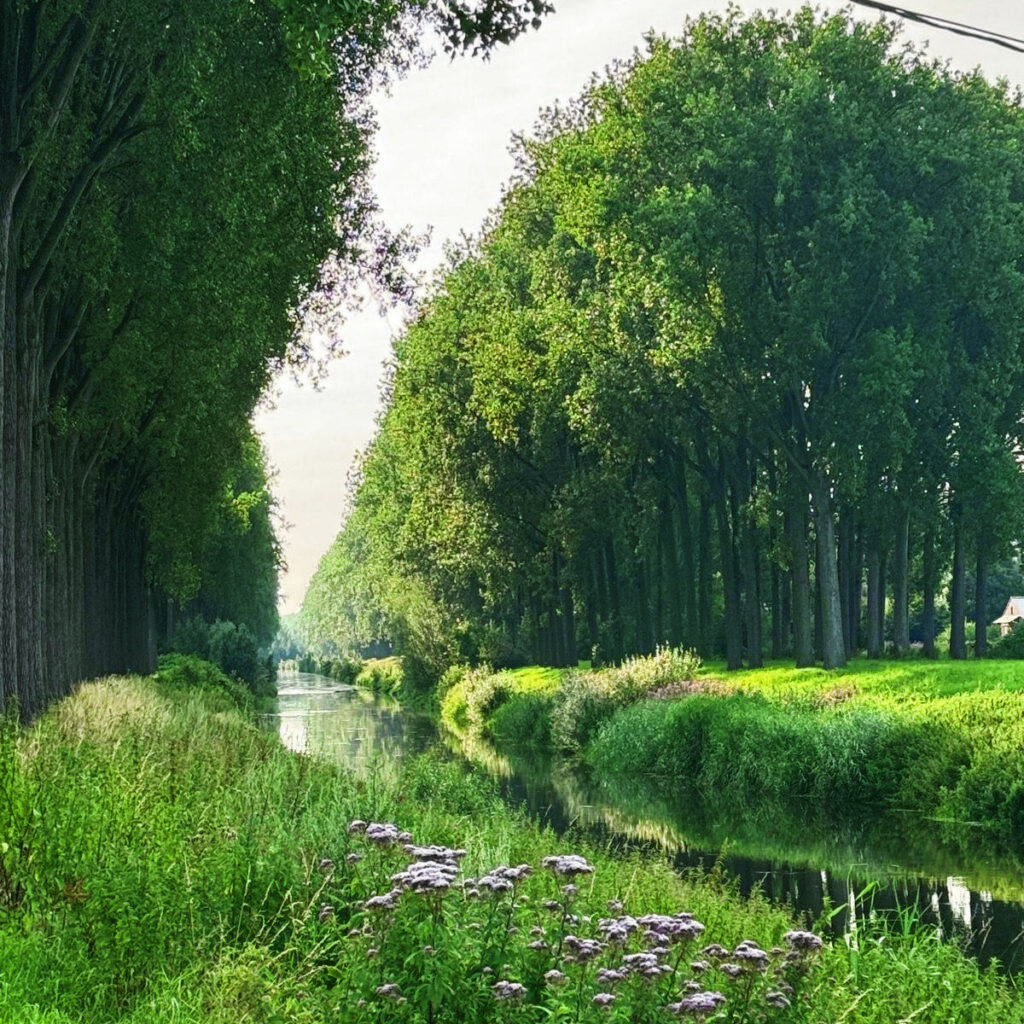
(1014, 611)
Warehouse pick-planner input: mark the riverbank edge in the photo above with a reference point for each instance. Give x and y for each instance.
(941, 740)
(172, 862)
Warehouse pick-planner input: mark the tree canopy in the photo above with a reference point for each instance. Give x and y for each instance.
(176, 186)
(740, 346)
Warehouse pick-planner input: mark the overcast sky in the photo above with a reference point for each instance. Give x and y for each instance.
(442, 156)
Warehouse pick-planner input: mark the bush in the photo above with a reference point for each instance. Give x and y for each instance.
(230, 646)
(586, 700)
(192, 636)
(382, 675)
(1011, 645)
(186, 672)
(234, 648)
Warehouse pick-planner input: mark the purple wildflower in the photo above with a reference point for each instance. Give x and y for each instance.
(386, 901)
(699, 1005)
(568, 865)
(806, 942)
(582, 950)
(508, 990)
(425, 876)
(382, 833)
(442, 854)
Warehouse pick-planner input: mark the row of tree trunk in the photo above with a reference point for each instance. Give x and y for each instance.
(815, 579)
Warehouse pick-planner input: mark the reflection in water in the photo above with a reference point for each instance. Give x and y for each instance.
(854, 867)
(317, 715)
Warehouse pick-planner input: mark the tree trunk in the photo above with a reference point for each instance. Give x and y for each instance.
(833, 648)
(855, 600)
(614, 596)
(929, 583)
(803, 637)
(875, 596)
(691, 633)
(670, 575)
(900, 587)
(730, 584)
(958, 597)
(981, 598)
(705, 624)
(845, 573)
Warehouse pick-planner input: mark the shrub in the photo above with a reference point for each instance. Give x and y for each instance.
(524, 721)
(192, 636)
(187, 672)
(586, 700)
(1011, 645)
(382, 675)
(230, 646)
(234, 648)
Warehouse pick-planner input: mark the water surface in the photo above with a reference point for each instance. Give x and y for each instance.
(857, 864)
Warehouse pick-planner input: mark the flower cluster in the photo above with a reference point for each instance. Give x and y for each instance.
(804, 942)
(635, 965)
(426, 876)
(500, 879)
(568, 865)
(698, 1005)
(509, 991)
(664, 929)
(384, 834)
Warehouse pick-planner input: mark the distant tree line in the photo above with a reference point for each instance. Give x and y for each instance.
(179, 184)
(736, 365)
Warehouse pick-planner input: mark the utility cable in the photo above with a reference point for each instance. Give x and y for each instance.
(947, 25)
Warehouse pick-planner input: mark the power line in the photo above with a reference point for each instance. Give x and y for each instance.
(947, 25)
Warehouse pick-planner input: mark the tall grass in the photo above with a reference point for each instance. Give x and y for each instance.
(165, 861)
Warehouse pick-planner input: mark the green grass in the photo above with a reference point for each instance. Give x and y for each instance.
(913, 679)
(943, 739)
(164, 861)
(537, 679)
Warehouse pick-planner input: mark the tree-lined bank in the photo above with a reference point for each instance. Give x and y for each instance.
(735, 366)
(177, 186)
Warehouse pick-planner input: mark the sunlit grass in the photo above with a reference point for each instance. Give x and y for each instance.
(537, 679)
(913, 679)
(174, 867)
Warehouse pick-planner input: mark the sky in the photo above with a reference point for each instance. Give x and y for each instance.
(442, 158)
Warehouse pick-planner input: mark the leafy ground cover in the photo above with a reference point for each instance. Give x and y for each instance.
(164, 860)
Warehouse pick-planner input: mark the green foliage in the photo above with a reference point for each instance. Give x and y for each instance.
(721, 279)
(192, 636)
(174, 864)
(231, 646)
(586, 700)
(382, 675)
(241, 556)
(472, 699)
(183, 672)
(1011, 645)
(346, 669)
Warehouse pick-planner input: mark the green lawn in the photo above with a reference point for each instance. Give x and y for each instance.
(914, 679)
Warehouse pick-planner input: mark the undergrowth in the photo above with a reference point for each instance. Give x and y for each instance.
(163, 860)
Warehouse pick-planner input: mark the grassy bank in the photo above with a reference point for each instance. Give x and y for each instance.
(944, 739)
(163, 860)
